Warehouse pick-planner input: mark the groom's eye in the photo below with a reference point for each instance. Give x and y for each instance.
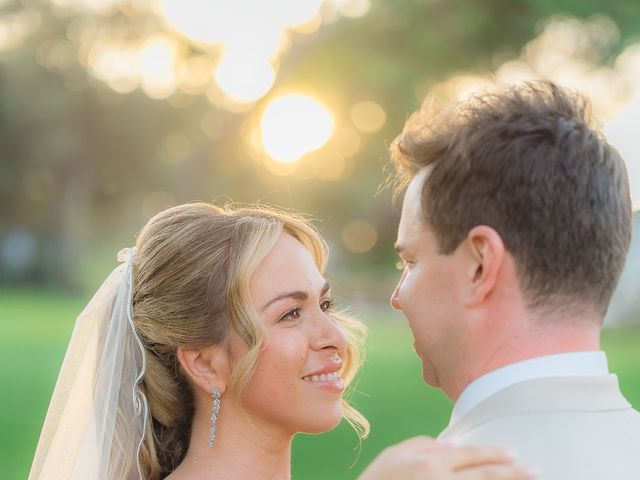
(402, 264)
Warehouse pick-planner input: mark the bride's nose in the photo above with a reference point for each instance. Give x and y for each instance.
(328, 335)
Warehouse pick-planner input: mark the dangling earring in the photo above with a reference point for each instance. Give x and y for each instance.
(215, 409)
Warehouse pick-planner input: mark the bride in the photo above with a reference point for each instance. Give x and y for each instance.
(207, 350)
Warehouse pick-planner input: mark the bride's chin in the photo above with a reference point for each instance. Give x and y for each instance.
(322, 423)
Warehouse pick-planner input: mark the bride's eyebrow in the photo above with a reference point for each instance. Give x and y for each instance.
(297, 295)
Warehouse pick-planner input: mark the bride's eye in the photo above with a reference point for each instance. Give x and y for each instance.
(292, 314)
(326, 305)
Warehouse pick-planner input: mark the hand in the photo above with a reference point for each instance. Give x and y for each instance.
(425, 459)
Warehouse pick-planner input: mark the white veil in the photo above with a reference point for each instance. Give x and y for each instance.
(98, 416)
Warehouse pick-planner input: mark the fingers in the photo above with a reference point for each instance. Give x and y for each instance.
(407, 460)
(420, 443)
(496, 472)
(425, 458)
(466, 457)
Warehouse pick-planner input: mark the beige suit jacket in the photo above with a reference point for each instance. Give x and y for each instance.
(578, 428)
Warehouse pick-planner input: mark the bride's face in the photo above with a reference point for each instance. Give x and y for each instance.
(296, 386)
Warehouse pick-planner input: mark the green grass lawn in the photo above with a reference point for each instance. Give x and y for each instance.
(35, 327)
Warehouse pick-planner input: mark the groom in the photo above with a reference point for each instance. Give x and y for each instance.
(514, 230)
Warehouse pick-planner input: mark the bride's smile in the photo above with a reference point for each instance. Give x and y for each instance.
(327, 377)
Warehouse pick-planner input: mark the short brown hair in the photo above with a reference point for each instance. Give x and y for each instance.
(526, 161)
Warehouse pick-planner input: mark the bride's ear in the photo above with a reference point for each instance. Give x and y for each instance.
(207, 367)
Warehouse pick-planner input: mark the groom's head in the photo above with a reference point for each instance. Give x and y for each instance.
(517, 208)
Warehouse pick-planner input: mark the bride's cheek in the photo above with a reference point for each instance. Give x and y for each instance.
(282, 360)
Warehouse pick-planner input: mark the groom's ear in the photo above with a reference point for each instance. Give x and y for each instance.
(207, 367)
(486, 254)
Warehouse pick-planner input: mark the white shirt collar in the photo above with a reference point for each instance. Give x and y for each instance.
(574, 364)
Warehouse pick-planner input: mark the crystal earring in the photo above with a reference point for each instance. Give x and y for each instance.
(215, 409)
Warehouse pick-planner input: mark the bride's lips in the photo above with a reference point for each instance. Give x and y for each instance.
(326, 378)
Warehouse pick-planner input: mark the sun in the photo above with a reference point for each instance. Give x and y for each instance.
(293, 125)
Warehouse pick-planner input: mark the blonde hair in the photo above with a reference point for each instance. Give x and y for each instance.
(191, 288)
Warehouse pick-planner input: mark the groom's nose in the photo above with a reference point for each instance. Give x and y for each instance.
(395, 296)
(395, 300)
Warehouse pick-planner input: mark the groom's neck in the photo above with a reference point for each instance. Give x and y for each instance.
(530, 336)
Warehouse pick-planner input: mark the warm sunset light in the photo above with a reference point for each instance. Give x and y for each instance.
(359, 236)
(294, 125)
(244, 79)
(368, 116)
(156, 66)
(253, 34)
(223, 22)
(240, 48)
(203, 21)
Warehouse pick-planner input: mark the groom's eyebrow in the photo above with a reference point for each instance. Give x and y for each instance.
(297, 295)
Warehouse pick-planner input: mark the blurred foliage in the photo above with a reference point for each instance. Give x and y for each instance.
(83, 166)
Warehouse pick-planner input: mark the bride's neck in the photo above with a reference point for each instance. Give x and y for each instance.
(242, 449)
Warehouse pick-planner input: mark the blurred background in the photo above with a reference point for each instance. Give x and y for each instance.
(112, 110)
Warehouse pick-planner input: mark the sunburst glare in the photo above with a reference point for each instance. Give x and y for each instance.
(293, 125)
